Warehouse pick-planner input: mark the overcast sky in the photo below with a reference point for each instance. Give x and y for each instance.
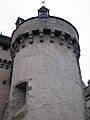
(75, 11)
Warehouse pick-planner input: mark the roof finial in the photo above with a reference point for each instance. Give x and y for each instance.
(43, 2)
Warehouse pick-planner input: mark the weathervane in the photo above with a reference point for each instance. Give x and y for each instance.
(43, 2)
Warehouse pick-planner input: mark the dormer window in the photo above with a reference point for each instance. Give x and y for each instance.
(43, 12)
(19, 21)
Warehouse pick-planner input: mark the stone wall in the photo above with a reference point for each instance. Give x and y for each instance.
(87, 96)
(5, 73)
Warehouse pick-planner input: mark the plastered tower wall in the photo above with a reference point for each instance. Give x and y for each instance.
(46, 81)
(5, 72)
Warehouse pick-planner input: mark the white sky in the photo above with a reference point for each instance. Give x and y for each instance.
(75, 11)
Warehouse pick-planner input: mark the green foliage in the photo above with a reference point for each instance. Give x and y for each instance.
(19, 115)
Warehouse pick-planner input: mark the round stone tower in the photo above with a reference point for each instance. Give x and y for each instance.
(46, 80)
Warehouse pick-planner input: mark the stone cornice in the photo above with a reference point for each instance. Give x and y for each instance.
(63, 38)
(6, 63)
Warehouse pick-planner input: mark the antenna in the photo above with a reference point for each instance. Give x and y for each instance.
(1, 33)
(43, 2)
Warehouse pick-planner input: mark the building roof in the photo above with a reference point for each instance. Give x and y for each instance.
(5, 40)
(43, 8)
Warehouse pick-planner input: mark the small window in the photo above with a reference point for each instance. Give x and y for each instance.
(43, 14)
(5, 47)
(4, 82)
